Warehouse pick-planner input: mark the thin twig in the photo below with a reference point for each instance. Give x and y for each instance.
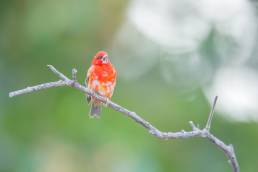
(195, 132)
(74, 73)
(37, 88)
(208, 124)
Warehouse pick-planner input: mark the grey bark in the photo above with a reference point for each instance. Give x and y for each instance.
(195, 132)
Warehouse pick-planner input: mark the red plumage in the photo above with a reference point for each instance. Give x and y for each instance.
(101, 78)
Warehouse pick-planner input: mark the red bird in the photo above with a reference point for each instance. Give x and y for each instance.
(101, 78)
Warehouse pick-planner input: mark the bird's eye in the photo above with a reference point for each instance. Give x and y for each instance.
(104, 59)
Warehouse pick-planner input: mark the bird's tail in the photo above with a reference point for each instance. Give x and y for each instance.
(95, 110)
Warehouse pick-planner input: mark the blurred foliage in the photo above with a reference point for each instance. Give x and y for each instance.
(50, 130)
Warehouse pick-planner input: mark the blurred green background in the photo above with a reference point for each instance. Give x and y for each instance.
(49, 131)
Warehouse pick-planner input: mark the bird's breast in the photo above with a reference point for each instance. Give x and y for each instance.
(103, 80)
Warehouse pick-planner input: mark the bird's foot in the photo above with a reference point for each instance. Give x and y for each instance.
(106, 102)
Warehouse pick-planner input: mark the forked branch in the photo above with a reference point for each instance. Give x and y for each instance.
(195, 132)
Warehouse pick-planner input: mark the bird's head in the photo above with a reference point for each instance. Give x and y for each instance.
(101, 58)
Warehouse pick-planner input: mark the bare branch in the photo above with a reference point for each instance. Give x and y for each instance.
(37, 88)
(195, 132)
(59, 74)
(208, 124)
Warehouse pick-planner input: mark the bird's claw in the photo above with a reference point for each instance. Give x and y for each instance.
(106, 102)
